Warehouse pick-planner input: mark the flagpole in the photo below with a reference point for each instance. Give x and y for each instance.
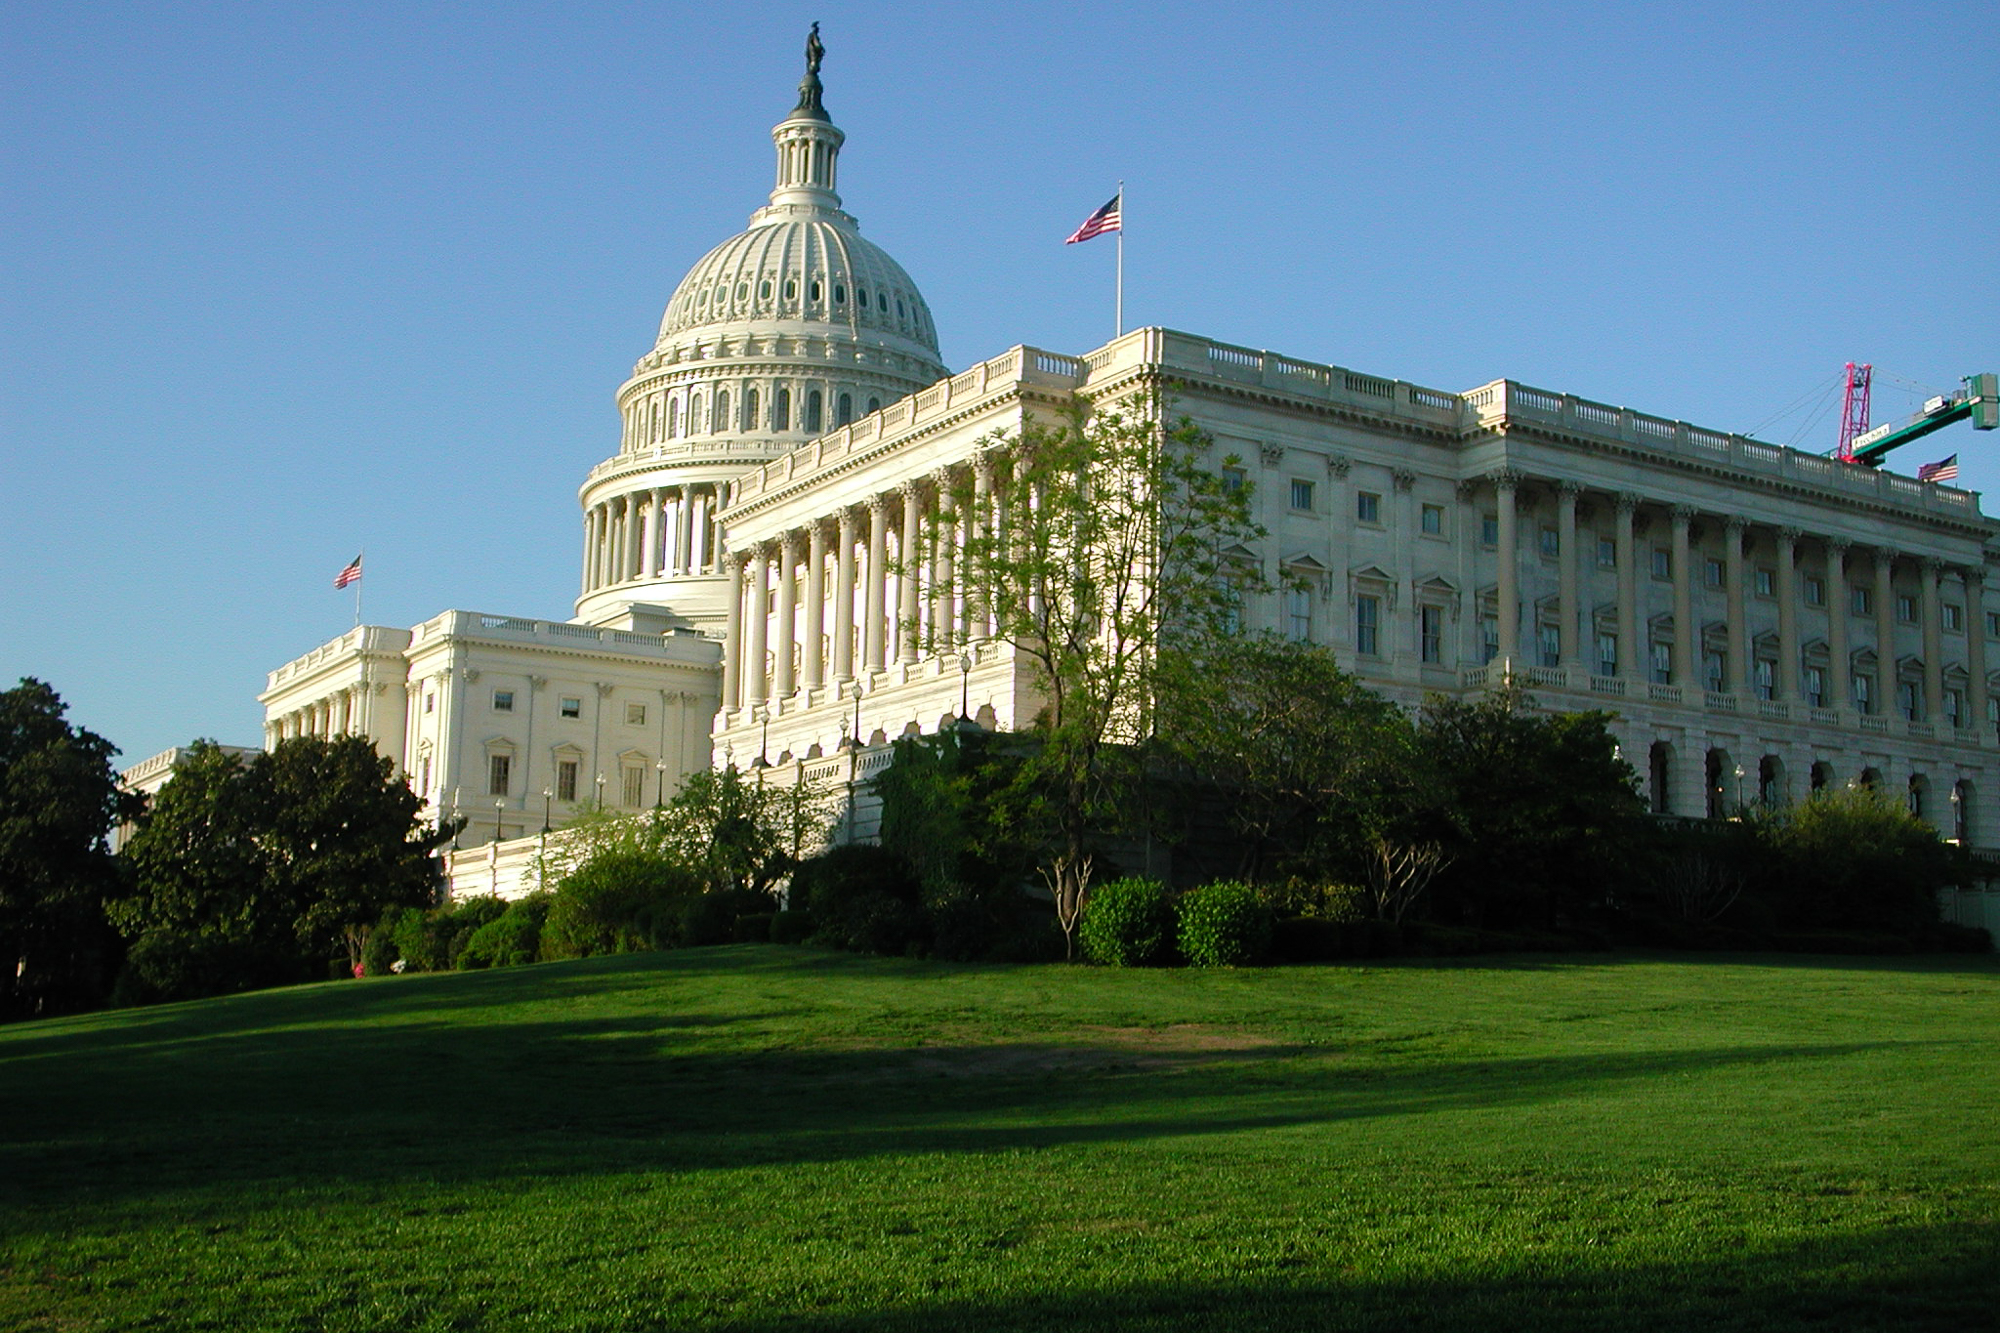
(1121, 262)
(362, 561)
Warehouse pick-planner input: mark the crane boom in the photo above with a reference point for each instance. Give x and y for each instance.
(1979, 400)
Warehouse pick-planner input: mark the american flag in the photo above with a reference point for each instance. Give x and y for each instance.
(1103, 220)
(1945, 469)
(352, 574)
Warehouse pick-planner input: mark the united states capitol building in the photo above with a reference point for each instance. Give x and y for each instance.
(1762, 622)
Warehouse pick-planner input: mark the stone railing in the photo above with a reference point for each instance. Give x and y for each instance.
(361, 639)
(557, 633)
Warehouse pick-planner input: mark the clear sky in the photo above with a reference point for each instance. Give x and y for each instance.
(286, 281)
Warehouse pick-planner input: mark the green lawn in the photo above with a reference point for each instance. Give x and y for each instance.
(764, 1138)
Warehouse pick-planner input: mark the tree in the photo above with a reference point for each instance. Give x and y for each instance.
(59, 800)
(1857, 859)
(1103, 536)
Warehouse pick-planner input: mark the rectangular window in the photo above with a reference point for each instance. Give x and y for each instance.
(1906, 700)
(1815, 590)
(1489, 529)
(635, 715)
(1299, 610)
(499, 773)
(1234, 479)
(570, 707)
(1607, 654)
(1714, 671)
(1993, 713)
(1607, 553)
(1993, 624)
(1433, 520)
(1550, 638)
(566, 780)
(1954, 618)
(1906, 609)
(1766, 678)
(1766, 582)
(1663, 663)
(1814, 680)
(635, 786)
(503, 701)
(430, 703)
(1864, 693)
(1302, 495)
(1712, 573)
(424, 776)
(1863, 601)
(1489, 639)
(1954, 708)
(1430, 633)
(1368, 507)
(1663, 563)
(1551, 543)
(1368, 626)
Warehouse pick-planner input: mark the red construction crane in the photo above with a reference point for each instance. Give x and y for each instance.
(1853, 410)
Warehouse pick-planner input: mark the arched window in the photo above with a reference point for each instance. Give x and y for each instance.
(791, 289)
(874, 404)
(721, 410)
(764, 290)
(882, 302)
(839, 294)
(845, 410)
(674, 419)
(813, 412)
(781, 410)
(1822, 776)
(1660, 772)
(1920, 796)
(694, 415)
(812, 292)
(861, 297)
(750, 409)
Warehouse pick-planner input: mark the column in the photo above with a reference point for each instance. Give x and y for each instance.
(978, 620)
(1566, 558)
(683, 531)
(1840, 663)
(589, 540)
(1630, 665)
(700, 553)
(874, 628)
(1506, 593)
(619, 509)
(1788, 614)
(788, 609)
(1737, 682)
(815, 631)
(1975, 660)
(1686, 632)
(944, 598)
(843, 599)
(656, 535)
(732, 643)
(755, 689)
(1885, 631)
(635, 534)
(1933, 640)
(604, 544)
(906, 600)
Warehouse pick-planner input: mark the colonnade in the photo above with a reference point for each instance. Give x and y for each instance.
(661, 532)
(1835, 561)
(878, 584)
(338, 714)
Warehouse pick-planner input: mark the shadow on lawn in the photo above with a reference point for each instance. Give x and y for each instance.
(1914, 1278)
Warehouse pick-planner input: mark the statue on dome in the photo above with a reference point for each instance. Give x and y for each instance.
(810, 88)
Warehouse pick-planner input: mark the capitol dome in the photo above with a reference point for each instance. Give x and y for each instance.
(795, 327)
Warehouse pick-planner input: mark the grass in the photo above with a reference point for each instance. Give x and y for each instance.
(760, 1138)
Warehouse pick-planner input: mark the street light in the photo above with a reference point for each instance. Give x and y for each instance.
(547, 797)
(499, 809)
(858, 742)
(1739, 789)
(600, 791)
(964, 687)
(661, 800)
(764, 741)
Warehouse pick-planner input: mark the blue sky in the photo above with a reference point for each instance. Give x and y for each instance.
(286, 281)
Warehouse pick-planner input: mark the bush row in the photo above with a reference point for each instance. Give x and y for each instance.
(1141, 923)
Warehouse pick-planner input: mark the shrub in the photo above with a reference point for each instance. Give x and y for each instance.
(510, 939)
(792, 927)
(168, 964)
(618, 900)
(1224, 924)
(754, 928)
(378, 955)
(864, 899)
(1128, 923)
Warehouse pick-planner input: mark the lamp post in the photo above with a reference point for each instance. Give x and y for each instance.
(964, 687)
(1957, 815)
(858, 742)
(1739, 790)
(547, 797)
(764, 741)
(499, 809)
(454, 816)
(661, 799)
(600, 791)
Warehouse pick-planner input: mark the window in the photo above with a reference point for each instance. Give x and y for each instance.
(1489, 639)
(424, 774)
(1815, 590)
(1764, 677)
(1814, 680)
(1549, 638)
(1766, 582)
(1302, 495)
(1714, 671)
(1607, 553)
(1430, 633)
(635, 715)
(781, 410)
(1712, 573)
(1906, 609)
(1299, 610)
(635, 786)
(499, 773)
(570, 707)
(1862, 600)
(845, 409)
(1993, 713)
(1864, 690)
(1954, 708)
(813, 411)
(874, 405)
(566, 780)
(503, 701)
(1551, 543)
(1954, 618)
(430, 703)
(1433, 520)
(1368, 626)
(1663, 563)
(1906, 700)
(1993, 624)
(1233, 479)
(1663, 663)
(1607, 654)
(752, 403)
(1489, 529)
(721, 410)
(1368, 507)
